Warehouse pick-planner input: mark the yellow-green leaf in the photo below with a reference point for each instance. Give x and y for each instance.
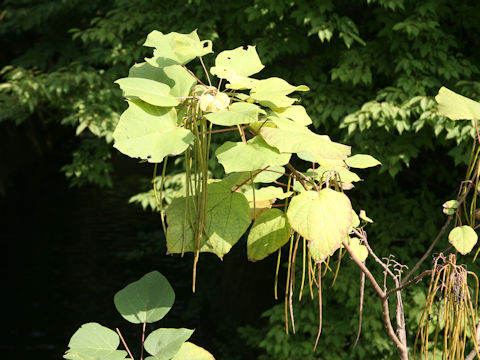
(362, 161)
(324, 217)
(360, 251)
(455, 106)
(463, 238)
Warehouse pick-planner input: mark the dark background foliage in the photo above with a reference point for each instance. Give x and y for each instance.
(373, 68)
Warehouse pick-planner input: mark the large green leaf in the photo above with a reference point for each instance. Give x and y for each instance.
(266, 193)
(291, 137)
(227, 218)
(463, 238)
(150, 133)
(190, 351)
(323, 217)
(180, 48)
(269, 232)
(362, 161)
(455, 106)
(94, 342)
(145, 300)
(272, 92)
(237, 114)
(163, 344)
(150, 91)
(254, 155)
(176, 77)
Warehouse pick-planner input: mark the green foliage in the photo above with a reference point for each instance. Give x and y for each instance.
(146, 300)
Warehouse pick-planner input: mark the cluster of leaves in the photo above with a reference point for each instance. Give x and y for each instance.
(144, 301)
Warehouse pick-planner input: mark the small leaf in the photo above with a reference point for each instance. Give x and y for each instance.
(190, 351)
(455, 106)
(449, 207)
(94, 341)
(163, 344)
(360, 251)
(269, 232)
(145, 300)
(362, 161)
(364, 217)
(150, 91)
(256, 154)
(463, 238)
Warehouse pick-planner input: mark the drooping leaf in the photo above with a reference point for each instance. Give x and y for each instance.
(362, 161)
(296, 113)
(180, 48)
(291, 137)
(190, 351)
(150, 133)
(463, 238)
(360, 251)
(150, 91)
(449, 207)
(146, 300)
(163, 344)
(455, 106)
(94, 342)
(175, 76)
(227, 218)
(323, 217)
(269, 232)
(237, 114)
(254, 155)
(272, 92)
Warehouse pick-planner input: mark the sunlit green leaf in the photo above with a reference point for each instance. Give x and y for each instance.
(176, 77)
(163, 344)
(150, 133)
(237, 114)
(463, 238)
(296, 113)
(145, 300)
(455, 106)
(363, 215)
(227, 218)
(362, 161)
(324, 217)
(244, 62)
(360, 251)
(269, 232)
(291, 137)
(180, 48)
(273, 92)
(93, 342)
(190, 351)
(266, 193)
(254, 155)
(150, 91)
(345, 175)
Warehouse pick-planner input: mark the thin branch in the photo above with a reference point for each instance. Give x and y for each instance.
(143, 338)
(404, 285)
(429, 250)
(300, 177)
(360, 314)
(205, 69)
(125, 344)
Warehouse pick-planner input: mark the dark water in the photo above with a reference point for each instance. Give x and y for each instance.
(67, 251)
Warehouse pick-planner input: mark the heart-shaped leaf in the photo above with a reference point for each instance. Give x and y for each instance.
(463, 238)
